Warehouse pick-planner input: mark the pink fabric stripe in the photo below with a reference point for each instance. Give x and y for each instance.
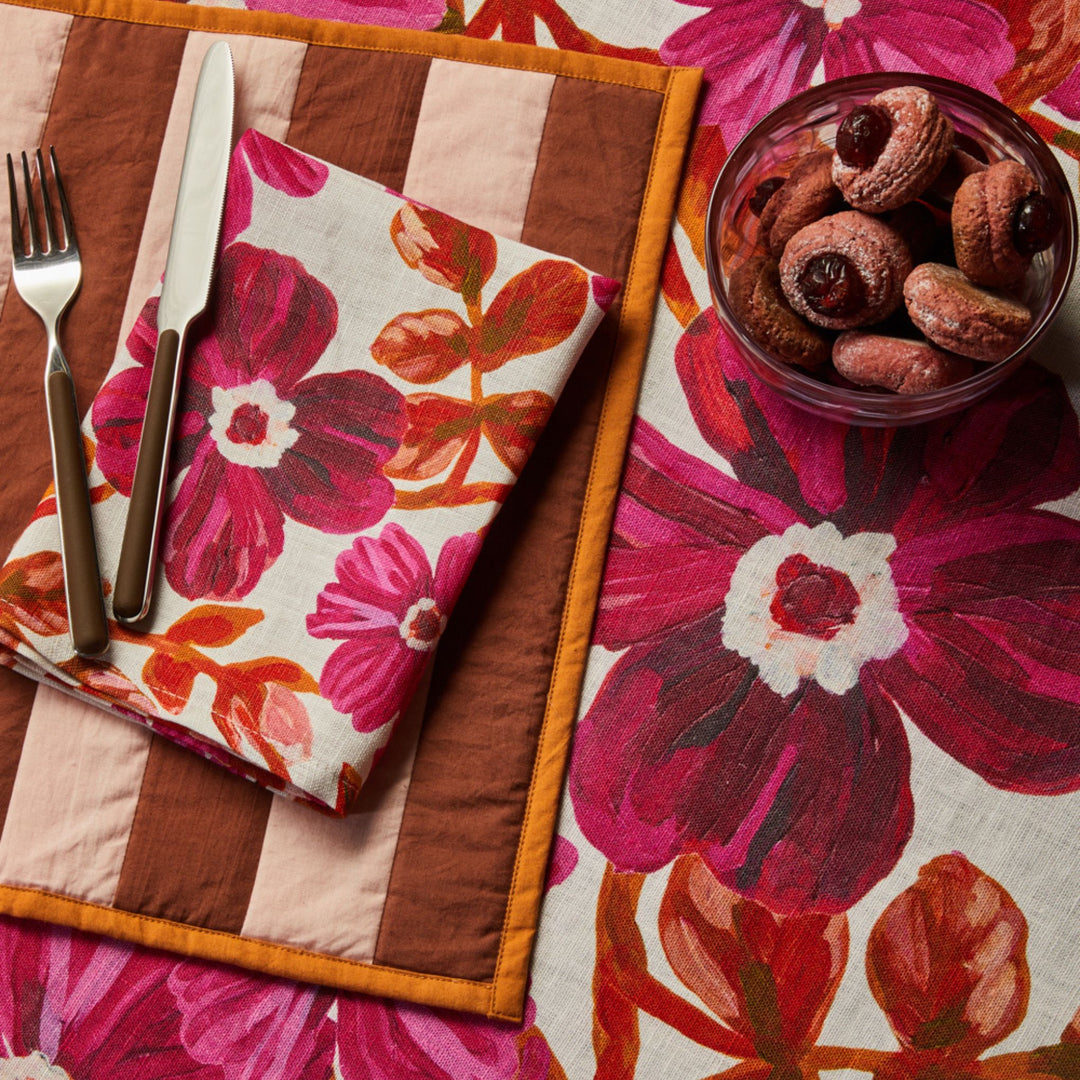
(31, 51)
(499, 113)
(313, 888)
(74, 798)
(267, 74)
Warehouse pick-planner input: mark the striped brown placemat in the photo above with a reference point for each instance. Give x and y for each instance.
(431, 891)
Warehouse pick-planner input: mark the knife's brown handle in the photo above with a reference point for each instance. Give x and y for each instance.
(138, 552)
(82, 581)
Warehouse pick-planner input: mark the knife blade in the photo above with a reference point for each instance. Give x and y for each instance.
(196, 228)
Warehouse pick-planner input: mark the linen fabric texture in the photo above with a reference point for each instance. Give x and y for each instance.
(368, 383)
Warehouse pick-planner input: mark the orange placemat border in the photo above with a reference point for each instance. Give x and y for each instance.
(504, 996)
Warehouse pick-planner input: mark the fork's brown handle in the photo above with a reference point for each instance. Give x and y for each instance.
(82, 581)
(138, 552)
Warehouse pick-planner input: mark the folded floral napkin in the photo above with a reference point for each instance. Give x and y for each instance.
(368, 383)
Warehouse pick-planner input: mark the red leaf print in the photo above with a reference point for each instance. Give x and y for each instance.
(769, 978)
(619, 946)
(535, 310)
(438, 427)
(213, 625)
(169, 680)
(32, 595)
(446, 251)
(513, 423)
(423, 346)
(946, 962)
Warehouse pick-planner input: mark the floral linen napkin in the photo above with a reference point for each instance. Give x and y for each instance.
(366, 387)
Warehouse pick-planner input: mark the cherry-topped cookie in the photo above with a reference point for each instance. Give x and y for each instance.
(1000, 220)
(845, 270)
(890, 150)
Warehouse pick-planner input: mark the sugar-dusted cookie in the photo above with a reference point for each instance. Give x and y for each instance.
(890, 150)
(845, 270)
(907, 367)
(962, 317)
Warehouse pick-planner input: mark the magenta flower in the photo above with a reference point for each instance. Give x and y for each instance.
(775, 46)
(275, 1029)
(390, 610)
(411, 14)
(74, 1005)
(274, 163)
(386, 1040)
(259, 441)
(1065, 97)
(775, 625)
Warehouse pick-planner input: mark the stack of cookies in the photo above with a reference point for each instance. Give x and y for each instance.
(899, 257)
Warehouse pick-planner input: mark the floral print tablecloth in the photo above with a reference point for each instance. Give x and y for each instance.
(821, 812)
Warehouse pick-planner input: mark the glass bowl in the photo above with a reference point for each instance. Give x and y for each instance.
(809, 121)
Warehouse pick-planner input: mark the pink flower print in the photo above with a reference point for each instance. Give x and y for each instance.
(410, 14)
(776, 624)
(274, 163)
(390, 610)
(75, 1006)
(276, 1030)
(260, 438)
(774, 46)
(387, 1040)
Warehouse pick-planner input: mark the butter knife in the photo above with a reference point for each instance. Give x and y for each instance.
(193, 242)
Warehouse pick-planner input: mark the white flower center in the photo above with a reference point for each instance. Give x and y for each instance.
(250, 424)
(836, 11)
(423, 625)
(35, 1066)
(814, 604)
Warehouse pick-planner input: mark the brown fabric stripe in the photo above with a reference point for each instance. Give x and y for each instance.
(451, 878)
(359, 110)
(126, 112)
(195, 816)
(16, 701)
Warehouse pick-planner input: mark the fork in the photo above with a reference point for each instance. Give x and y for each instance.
(47, 278)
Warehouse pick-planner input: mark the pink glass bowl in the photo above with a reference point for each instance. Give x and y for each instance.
(810, 120)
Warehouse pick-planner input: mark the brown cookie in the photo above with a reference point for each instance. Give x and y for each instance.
(906, 367)
(964, 318)
(807, 195)
(917, 147)
(845, 270)
(983, 214)
(767, 317)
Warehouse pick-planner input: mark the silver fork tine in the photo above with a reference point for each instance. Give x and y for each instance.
(46, 203)
(17, 248)
(65, 213)
(31, 214)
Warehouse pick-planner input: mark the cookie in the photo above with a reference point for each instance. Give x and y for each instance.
(767, 317)
(915, 139)
(845, 270)
(987, 224)
(807, 195)
(906, 367)
(963, 318)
